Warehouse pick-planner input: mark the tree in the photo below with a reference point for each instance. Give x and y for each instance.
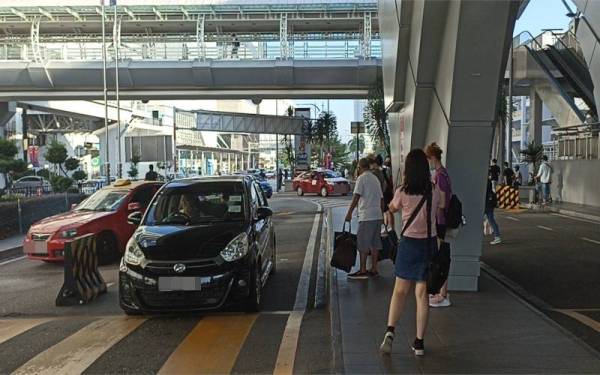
(325, 132)
(289, 159)
(57, 154)
(375, 117)
(60, 184)
(533, 155)
(361, 144)
(133, 168)
(8, 164)
(71, 164)
(79, 175)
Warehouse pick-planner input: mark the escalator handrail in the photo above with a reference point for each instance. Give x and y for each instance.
(546, 70)
(558, 38)
(568, 71)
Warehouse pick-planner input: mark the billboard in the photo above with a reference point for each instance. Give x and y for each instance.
(301, 142)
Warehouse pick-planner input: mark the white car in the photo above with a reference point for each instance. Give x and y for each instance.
(31, 185)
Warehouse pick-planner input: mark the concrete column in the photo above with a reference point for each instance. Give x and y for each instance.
(229, 169)
(203, 163)
(448, 94)
(236, 162)
(535, 118)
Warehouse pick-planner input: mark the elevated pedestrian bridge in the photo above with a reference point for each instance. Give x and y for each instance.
(296, 50)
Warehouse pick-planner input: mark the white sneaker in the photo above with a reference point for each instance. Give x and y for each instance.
(443, 303)
(496, 241)
(386, 345)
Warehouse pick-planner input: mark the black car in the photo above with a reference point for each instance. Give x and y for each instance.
(202, 244)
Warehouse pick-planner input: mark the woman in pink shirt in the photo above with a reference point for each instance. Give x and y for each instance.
(417, 199)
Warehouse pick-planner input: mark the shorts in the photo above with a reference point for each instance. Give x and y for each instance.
(368, 236)
(412, 260)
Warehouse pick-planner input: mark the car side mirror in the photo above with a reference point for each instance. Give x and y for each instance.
(134, 206)
(134, 218)
(263, 213)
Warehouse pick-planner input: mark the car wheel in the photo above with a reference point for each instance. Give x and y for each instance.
(300, 191)
(106, 248)
(323, 191)
(253, 302)
(131, 312)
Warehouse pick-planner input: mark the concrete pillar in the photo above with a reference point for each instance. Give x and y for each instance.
(237, 167)
(229, 169)
(203, 163)
(535, 118)
(448, 95)
(7, 111)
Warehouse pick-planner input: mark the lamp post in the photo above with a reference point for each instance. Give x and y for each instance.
(357, 127)
(116, 45)
(107, 138)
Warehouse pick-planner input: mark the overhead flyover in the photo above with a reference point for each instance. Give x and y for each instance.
(292, 49)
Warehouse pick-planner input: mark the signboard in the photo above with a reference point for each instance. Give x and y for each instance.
(96, 162)
(32, 154)
(357, 127)
(301, 142)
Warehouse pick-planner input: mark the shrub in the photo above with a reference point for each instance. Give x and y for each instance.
(60, 184)
(79, 175)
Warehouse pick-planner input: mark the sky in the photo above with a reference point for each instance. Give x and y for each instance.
(539, 14)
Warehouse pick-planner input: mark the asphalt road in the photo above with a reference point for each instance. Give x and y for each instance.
(36, 336)
(555, 259)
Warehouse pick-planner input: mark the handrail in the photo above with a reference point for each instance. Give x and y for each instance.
(552, 79)
(577, 47)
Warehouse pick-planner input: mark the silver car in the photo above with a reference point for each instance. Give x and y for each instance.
(31, 185)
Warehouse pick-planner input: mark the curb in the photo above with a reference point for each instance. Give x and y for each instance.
(574, 214)
(12, 252)
(334, 306)
(535, 304)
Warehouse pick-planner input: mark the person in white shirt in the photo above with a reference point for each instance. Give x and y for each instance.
(369, 199)
(544, 176)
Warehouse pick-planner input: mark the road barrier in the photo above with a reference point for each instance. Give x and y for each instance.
(83, 282)
(508, 197)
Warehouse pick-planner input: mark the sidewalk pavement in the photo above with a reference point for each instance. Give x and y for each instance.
(576, 210)
(11, 243)
(490, 331)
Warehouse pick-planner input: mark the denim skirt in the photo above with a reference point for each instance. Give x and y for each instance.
(412, 260)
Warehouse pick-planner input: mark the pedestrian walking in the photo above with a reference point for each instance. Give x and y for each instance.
(494, 173)
(518, 177)
(544, 176)
(279, 180)
(441, 180)
(418, 200)
(508, 175)
(369, 199)
(491, 201)
(376, 163)
(151, 175)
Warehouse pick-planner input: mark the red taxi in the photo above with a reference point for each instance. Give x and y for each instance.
(323, 182)
(103, 213)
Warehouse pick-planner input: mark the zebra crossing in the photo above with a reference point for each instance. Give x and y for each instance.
(213, 344)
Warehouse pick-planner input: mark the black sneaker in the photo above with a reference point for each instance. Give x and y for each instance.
(358, 275)
(418, 347)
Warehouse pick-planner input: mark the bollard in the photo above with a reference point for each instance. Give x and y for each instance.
(20, 215)
(508, 197)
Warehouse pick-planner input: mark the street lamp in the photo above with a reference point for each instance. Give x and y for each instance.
(357, 127)
(107, 138)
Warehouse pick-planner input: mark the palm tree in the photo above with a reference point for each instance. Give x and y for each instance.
(533, 154)
(361, 144)
(325, 131)
(375, 117)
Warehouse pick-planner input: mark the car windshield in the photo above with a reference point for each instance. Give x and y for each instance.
(103, 200)
(197, 203)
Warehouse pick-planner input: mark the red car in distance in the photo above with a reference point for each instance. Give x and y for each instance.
(324, 183)
(104, 213)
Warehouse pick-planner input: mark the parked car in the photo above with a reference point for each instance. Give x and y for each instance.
(31, 185)
(90, 186)
(202, 244)
(104, 213)
(264, 185)
(323, 182)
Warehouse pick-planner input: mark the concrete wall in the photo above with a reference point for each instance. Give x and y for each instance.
(576, 181)
(589, 44)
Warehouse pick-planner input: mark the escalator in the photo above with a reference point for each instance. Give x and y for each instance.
(574, 69)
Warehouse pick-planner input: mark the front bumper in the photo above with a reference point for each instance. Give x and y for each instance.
(49, 250)
(221, 285)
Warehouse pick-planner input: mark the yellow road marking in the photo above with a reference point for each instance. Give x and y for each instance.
(78, 351)
(584, 319)
(10, 328)
(285, 213)
(211, 347)
(289, 343)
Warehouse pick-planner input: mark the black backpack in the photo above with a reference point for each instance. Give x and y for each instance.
(454, 216)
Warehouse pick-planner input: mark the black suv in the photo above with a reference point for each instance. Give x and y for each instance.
(203, 243)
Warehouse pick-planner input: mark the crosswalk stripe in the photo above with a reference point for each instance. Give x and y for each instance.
(78, 351)
(211, 347)
(13, 327)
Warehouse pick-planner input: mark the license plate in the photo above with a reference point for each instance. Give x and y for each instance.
(179, 283)
(40, 247)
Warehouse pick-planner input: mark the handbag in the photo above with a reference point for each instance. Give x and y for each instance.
(344, 249)
(487, 228)
(389, 240)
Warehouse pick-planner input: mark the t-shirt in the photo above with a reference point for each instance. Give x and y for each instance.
(545, 173)
(494, 172)
(509, 174)
(441, 179)
(407, 203)
(369, 204)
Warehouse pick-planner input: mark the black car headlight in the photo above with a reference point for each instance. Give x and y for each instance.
(236, 249)
(133, 253)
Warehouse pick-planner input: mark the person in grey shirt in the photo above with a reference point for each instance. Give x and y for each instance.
(368, 197)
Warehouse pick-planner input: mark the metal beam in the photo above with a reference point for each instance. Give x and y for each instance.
(230, 122)
(44, 12)
(19, 14)
(129, 13)
(74, 14)
(158, 14)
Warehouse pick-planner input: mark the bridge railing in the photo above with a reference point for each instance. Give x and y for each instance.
(171, 51)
